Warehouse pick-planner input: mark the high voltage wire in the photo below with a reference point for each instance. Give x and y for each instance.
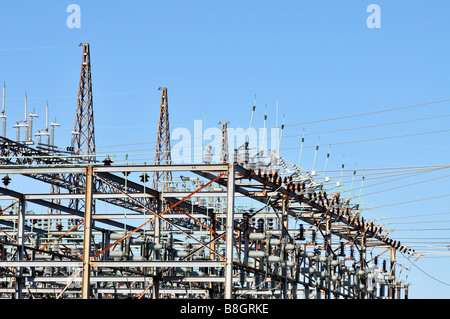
(380, 175)
(368, 126)
(423, 229)
(442, 282)
(410, 174)
(421, 222)
(410, 184)
(369, 140)
(315, 146)
(37, 48)
(345, 129)
(369, 113)
(393, 168)
(420, 215)
(407, 202)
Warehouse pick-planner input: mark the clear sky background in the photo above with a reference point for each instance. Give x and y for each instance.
(317, 60)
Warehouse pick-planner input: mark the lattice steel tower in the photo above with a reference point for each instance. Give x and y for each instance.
(163, 156)
(83, 133)
(84, 136)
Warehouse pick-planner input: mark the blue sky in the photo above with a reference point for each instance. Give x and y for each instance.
(317, 59)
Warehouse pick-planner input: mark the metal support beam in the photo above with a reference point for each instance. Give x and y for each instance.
(115, 264)
(20, 247)
(157, 240)
(87, 233)
(229, 233)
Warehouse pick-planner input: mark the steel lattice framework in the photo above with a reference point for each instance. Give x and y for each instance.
(84, 121)
(242, 251)
(163, 151)
(83, 132)
(298, 241)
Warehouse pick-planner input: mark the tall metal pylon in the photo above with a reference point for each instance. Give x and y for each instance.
(163, 156)
(84, 137)
(83, 133)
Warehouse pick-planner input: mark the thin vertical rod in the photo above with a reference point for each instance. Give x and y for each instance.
(264, 130)
(20, 248)
(46, 117)
(157, 240)
(279, 141)
(87, 233)
(229, 233)
(326, 166)
(251, 120)
(393, 260)
(284, 254)
(301, 151)
(3, 100)
(315, 157)
(3, 116)
(26, 106)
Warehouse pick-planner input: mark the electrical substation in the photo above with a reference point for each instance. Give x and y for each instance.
(179, 231)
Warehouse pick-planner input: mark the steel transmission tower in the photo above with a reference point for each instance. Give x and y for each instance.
(83, 133)
(163, 156)
(84, 123)
(83, 138)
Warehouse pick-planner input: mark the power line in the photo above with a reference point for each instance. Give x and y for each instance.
(39, 48)
(314, 133)
(423, 229)
(421, 222)
(328, 144)
(394, 168)
(421, 215)
(407, 202)
(410, 184)
(370, 140)
(369, 113)
(369, 126)
(430, 275)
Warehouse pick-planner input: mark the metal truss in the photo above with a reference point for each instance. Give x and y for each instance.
(291, 247)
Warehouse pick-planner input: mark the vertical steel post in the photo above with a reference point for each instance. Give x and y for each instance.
(392, 285)
(20, 249)
(157, 255)
(284, 217)
(246, 221)
(329, 255)
(229, 233)
(212, 255)
(87, 234)
(363, 259)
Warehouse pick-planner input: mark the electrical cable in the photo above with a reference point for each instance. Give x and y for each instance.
(370, 113)
(410, 184)
(413, 216)
(303, 134)
(371, 139)
(369, 126)
(432, 277)
(407, 202)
